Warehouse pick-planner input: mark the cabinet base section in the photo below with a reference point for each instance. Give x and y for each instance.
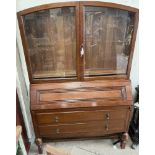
(123, 138)
(114, 136)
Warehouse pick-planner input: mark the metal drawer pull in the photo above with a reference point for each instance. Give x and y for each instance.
(107, 116)
(56, 119)
(57, 131)
(106, 127)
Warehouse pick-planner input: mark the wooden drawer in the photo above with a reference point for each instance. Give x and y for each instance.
(93, 128)
(80, 116)
(81, 109)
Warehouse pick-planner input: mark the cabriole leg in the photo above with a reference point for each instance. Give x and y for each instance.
(124, 140)
(39, 144)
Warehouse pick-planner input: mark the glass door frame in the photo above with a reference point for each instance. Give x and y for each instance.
(25, 43)
(79, 38)
(135, 11)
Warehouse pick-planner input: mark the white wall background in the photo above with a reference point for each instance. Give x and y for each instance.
(23, 97)
(24, 4)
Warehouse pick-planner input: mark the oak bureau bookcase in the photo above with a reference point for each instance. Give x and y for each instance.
(78, 56)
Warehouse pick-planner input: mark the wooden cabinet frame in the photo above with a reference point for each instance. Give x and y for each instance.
(79, 39)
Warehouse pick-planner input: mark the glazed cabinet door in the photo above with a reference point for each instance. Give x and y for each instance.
(78, 40)
(51, 42)
(107, 34)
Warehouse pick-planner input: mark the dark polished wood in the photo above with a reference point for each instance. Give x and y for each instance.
(72, 116)
(73, 91)
(80, 116)
(100, 90)
(99, 128)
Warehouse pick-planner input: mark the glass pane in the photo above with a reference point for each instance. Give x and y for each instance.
(107, 37)
(51, 38)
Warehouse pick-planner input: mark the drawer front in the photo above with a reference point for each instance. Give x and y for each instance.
(80, 116)
(79, 91)
(81, 94)
(94, 128)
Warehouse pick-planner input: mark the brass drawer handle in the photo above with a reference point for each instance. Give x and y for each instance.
(107, 116)
(106, 127)
(57, 131)
(56, 119)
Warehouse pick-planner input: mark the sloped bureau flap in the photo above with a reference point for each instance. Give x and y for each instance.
(80, 94)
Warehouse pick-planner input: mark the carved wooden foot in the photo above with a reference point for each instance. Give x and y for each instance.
(39, 143)
(124, 139)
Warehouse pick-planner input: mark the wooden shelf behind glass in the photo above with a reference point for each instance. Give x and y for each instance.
(53, 74)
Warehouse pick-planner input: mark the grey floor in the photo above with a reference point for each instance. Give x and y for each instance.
(90, 147)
